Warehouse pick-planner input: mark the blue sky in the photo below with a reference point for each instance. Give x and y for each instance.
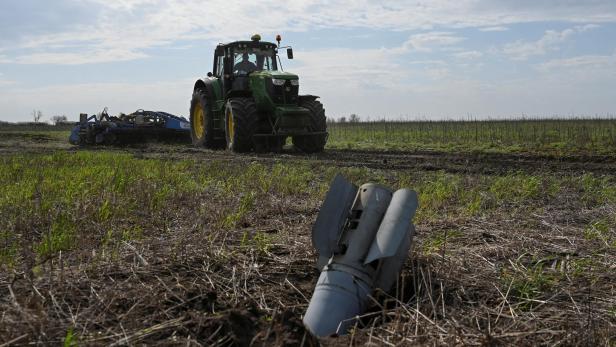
(402, 59)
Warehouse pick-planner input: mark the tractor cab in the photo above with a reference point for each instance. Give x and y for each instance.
(234, 61)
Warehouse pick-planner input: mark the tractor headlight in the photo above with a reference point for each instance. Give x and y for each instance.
(278, 81)
(295, 82)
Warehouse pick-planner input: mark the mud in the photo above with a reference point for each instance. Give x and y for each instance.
(475, 163)
(453, 162)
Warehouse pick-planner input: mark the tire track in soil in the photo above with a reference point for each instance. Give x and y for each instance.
(479, 163)
(472, 163)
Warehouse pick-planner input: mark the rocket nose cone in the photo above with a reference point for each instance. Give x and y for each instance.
(338, 298)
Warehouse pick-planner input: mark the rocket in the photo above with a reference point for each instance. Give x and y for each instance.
(362, 236)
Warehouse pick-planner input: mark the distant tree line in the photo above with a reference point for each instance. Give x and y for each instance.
(353, 118)
(38, 121)
(37, 115)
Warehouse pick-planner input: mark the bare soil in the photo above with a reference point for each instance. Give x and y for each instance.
(464, 163)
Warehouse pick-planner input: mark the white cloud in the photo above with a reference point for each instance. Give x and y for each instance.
(349, 68)
(437, 73)
(470, 55)
(426, 42)
(383, 68)
(606, 63)
(80, 58)
(123, 5)
(583, 28)
(495, 28)
(132, 26)
(550, 41)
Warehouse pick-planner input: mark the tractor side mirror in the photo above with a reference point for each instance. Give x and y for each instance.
(290, 53)
(209, 74)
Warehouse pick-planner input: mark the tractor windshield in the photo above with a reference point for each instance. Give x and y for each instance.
(249, 59)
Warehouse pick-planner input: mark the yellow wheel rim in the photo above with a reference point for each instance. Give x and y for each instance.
(199, 124)
(230, 126)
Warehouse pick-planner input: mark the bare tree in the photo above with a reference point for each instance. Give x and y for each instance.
(37, 115)
(353, 118)
(342, 120)
(58, 119)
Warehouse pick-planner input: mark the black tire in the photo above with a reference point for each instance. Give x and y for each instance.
(240, 124)
(202, 130)
(313, 143)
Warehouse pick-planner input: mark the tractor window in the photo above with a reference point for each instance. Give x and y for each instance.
(265, 63)
(247, 60)
(219, 66)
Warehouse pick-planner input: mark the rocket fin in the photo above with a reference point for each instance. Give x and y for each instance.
(334, 212)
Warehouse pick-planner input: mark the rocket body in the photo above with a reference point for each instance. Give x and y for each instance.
(362, 244)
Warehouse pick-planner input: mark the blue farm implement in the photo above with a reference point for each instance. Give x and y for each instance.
(139, 126)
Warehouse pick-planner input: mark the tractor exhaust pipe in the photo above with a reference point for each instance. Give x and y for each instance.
(362, 237)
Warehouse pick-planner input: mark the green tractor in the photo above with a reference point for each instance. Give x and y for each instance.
(249, 104)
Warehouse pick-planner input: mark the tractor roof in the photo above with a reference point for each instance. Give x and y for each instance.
(263, 44)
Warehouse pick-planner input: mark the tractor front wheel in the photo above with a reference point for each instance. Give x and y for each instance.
(313, 143)
(240, 124)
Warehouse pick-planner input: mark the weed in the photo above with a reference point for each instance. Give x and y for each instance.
(61, 237)
(104, 212)
(476, 203)
(8, 248)
(133, 233)
(246, 203)
(529, 283)
(436, 194)
(287, 179)
(581, 267)
(599, 230)
(598, 189)
(474, 197)
(517, 187)
(436, 242)
(259, 241)
(70, 340)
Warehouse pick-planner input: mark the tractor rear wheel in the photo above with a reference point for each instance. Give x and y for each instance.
(201, 122)
(313, 143)
(240, 124)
